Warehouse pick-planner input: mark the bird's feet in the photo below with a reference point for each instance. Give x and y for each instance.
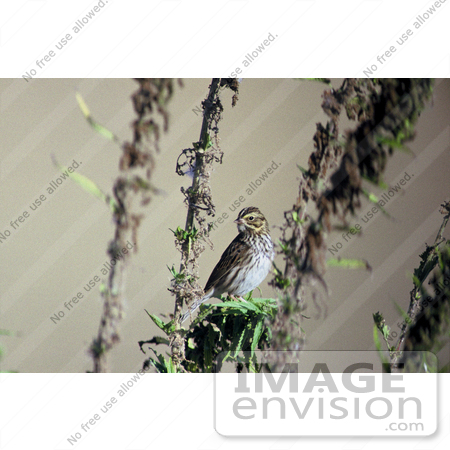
(240, 298)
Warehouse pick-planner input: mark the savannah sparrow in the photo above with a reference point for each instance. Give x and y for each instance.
(245, 263)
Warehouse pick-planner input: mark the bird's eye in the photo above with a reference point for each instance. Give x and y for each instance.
(251, 218)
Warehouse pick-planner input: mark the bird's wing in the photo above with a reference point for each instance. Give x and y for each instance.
(233, 257)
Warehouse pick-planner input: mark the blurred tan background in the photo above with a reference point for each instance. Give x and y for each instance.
(53, 253)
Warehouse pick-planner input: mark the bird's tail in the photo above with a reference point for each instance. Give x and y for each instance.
(194, 307)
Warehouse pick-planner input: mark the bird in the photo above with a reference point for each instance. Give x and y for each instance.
(244, 264)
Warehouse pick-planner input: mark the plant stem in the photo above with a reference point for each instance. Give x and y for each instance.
(209, 111)
(200, 153)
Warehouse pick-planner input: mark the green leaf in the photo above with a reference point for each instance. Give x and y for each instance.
(440, 259)
(374, 199)
(267, 301)
(88, 186)
(376, 339)
(207, 350)
(296, 218)
(284, 247)
(257, 333)
(208, 142)
(302, 169)
(96, 126)
(158, 322)
(182, 235)
(416, 281)
(242, 306)
(160, 363)
(81, 103)
(157, 340)
(170, 366)
(173, 271)
(168, 327)
(326, 81)
(385, 331)
(238, 345)
(349, 263)
(397, 143)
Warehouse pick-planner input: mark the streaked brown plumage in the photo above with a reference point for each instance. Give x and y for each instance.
(246, 261)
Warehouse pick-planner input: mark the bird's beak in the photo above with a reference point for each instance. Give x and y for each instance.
(240, 225)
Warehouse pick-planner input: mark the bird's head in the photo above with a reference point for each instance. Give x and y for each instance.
(252, 220)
